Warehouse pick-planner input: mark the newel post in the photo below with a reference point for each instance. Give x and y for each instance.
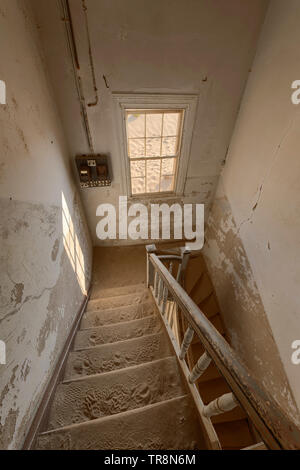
(185, 256)
(150, 271)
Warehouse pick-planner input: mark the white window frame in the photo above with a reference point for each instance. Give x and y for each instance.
(125, 101)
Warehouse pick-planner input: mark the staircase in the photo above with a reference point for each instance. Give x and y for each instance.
(151, 367)
(233, 428)
(122, 386)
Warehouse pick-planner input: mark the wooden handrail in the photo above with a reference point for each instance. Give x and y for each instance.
(173, 252)
(276, 429)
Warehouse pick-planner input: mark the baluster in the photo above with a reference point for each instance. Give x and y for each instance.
(200, 367)
(166, 303)
(165, 298)
(222, 404)
(150, 269)
(156, 281)
(188, 338)
(173, 313)
(160, 290)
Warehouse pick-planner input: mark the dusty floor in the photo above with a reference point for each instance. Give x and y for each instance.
(122, 386)
(117, 267)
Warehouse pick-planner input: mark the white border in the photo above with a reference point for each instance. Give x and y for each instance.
(124, 101)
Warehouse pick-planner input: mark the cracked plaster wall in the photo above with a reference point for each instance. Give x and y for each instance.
(253, 242)
(45, 248)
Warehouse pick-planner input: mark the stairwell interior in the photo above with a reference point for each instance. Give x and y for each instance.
(123, 344)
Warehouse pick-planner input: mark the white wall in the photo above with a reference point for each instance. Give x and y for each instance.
(204, 47)
(44, 271)
(261, 180)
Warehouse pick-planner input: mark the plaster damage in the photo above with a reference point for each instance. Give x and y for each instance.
(242, 308)
(45, 248)
(261, 181)
(37, 310)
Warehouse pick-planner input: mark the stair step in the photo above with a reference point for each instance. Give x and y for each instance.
(171, 424)
(117, 291)
(117, 315)
(117, 332)
(118, 355)
(258, 446)
(119, 301)
(213, 389)
(115, 392)
(236, 414)
(234, 435)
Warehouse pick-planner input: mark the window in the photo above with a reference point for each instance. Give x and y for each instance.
(153, 148)
(154, 133)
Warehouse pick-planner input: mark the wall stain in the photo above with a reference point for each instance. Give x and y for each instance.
(241, 305)
(17, 293)
(55, 250)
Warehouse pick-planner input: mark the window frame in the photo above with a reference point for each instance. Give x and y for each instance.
(129, 101)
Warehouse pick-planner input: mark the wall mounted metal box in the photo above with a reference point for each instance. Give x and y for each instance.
(93, 171)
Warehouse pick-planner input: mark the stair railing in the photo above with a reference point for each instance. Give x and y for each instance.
(276, 429)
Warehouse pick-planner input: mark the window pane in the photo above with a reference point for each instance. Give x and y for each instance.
(153, 147)
(136, 148)
(169, 146)
(136, 125)
(168, 166)
(137, 169)
(166, 183)
(153, 176)
(153, 125)
(138, 185)
(171, 124)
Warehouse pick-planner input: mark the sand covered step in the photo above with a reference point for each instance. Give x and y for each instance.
(115, 392)
(116, 291)
(117, 355)
(117, 315)
(171, 424)
(119, 300)
(117, 332)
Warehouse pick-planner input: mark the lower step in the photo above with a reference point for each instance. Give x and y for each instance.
(115, 392)
(117, 291)
(116, 315)
(117, 332)
(171, 424)
(119, 300)
(117, 355)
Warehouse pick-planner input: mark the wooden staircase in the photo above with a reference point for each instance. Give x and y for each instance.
(151, 368)
(233, 427)
(122, 386)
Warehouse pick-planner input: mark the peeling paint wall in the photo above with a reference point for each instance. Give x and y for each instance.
(45, 248)
(241, 305)
(185, 46)
(253, 243)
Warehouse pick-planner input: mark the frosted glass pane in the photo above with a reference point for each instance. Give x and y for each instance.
(168, 166)
(136, 125)
(136, 148)
(153, 125)
(169, 146)
(153, 176)
(138, 185)
(137, 169)
(153, 147)
(166, 183)
(171, 124)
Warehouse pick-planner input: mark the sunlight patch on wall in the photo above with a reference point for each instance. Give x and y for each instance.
(72, 246)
